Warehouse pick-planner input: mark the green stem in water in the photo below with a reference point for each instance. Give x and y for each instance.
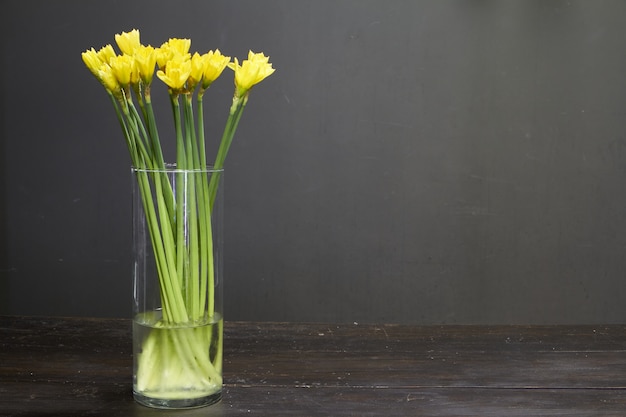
(178, 362)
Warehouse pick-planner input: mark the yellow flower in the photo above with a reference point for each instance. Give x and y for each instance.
(106, 77)
(123, 68)
(177, 71)
(215, 63)
(128, 42)
(162, 56)
(198, 62)
(145, 61)
(179, 46)
(172, 48)
(106, 53)
(251, 71)
(92, 61)
(97, 63)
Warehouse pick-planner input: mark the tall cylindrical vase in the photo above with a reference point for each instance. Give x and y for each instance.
(177, 309)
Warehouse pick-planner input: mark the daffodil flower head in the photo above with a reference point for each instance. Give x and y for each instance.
(97, 63)
(251, 72)
(177, 71)
(92, 61)
(198, 62)
(123, 68)
(108, 80)
(106, 53)
(172, 48)
(128, 42)
(179, 46)
(145, 61)
(162, 55)
(215, 63)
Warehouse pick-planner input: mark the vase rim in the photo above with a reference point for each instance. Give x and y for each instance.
(171, 168)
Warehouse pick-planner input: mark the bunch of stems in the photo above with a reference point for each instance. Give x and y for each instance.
(184, 261)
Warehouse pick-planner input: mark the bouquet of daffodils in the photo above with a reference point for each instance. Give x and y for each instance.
(185, 281)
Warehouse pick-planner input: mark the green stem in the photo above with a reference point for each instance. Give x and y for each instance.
(180, 191)
(174, 359)
(201, 141)
(193, 275)
(207, 267)
(170, 312)
(141, 135)
(158, 160)
(218, 360)
(131, 134)
(239, 103)
(132, 148)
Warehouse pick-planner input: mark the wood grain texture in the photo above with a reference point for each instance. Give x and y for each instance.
(82, 367)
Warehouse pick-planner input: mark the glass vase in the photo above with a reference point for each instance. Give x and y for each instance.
(177, 286)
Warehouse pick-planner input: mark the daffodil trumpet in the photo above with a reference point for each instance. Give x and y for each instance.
(178, 354)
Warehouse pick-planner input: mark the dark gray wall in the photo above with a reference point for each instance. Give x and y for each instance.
(410, 161)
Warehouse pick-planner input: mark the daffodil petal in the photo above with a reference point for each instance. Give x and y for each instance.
(128, 42)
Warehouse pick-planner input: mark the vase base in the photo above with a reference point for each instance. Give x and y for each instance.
(177, 403)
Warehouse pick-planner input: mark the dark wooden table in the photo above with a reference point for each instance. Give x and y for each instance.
(82, 367)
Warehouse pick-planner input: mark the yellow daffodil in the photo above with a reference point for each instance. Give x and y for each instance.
(128, 42)
(198, 62)
(108, 79)
(97, 63)
(162, 55)
(251, 72)
(179, 46)
(123, 68)
(177, 71)
(92, 61)
(215, 63)
(145, 60)
(106, 53)
(171, 49)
